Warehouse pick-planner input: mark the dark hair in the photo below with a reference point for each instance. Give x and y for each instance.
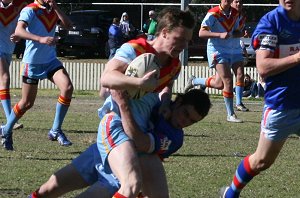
(198, 99)
(116, 20)
(172, 17)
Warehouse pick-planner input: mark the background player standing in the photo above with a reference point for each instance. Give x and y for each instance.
(37, 24)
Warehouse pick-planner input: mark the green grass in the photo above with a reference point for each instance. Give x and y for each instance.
(206, 161)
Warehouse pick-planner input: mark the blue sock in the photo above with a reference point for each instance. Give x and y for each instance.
(6, 104)
(62, 107)
(12, 119)
(239, 94)
(229, 105)
(199, 81)
(242, 177)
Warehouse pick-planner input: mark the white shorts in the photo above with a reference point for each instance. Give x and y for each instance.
(278, 125)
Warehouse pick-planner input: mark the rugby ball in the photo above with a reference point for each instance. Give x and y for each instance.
(138, 67)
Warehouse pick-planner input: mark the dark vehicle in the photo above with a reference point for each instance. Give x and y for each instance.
(197, 48)
(89, 35)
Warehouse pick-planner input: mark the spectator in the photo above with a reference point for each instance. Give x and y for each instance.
(126, 27)
(245, 53)
(150, 26)
(252, 87)
(115, 37)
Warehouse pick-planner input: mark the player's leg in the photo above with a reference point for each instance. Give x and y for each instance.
(29, 92)
(5, 60)
(264, 156)
(276, 126)
(118, 155)
(213, 81)
(95, 191)
(62, 80)
(79, 174)
(224, 72)
(124, 163)
(154, 177)
(238, 69)
(63, 181)
(4, 85)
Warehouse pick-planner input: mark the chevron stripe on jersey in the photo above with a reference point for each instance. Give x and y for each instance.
(226, 22)
(48, 18)
(168, 73)
(242, 21)
(9, 13)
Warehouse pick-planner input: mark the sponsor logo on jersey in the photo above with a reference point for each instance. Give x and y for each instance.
(268, 40)
(287, 50)
(164, 144)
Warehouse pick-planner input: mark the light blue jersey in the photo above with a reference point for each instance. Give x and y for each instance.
(40, 22)
(140, 108)
(8, 21)
(217, 21)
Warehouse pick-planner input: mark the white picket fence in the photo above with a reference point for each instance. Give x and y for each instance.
(85, 76)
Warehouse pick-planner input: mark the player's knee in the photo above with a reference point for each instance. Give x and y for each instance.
(70, 89)
(67, 90)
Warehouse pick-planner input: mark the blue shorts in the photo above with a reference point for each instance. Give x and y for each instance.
(40, 71)
(89, 166)
(215, 57)
(110, 135)
(278, 125)
(6, 57)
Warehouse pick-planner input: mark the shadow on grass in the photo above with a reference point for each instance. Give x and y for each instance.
(235, 154)
(13, 192)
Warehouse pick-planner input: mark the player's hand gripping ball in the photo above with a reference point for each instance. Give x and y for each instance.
(138, 67)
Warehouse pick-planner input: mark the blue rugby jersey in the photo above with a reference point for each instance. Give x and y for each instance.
(279, 34)
(167, 138)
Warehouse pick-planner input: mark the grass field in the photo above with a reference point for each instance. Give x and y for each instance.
(212, 150)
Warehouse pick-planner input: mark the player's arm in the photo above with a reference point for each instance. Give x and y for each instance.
(165, 97)
(269, 66)
(22, 33)
(143, 142)
(113, 77)
(65, 21)
(205, 32)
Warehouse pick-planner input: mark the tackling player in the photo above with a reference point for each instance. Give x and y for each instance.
(174, 31)
(167, 137)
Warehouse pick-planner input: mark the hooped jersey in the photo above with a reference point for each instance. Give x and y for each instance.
(42, 22)
(279, 34)
(216, 20)
(168, 73)
(8, 21)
